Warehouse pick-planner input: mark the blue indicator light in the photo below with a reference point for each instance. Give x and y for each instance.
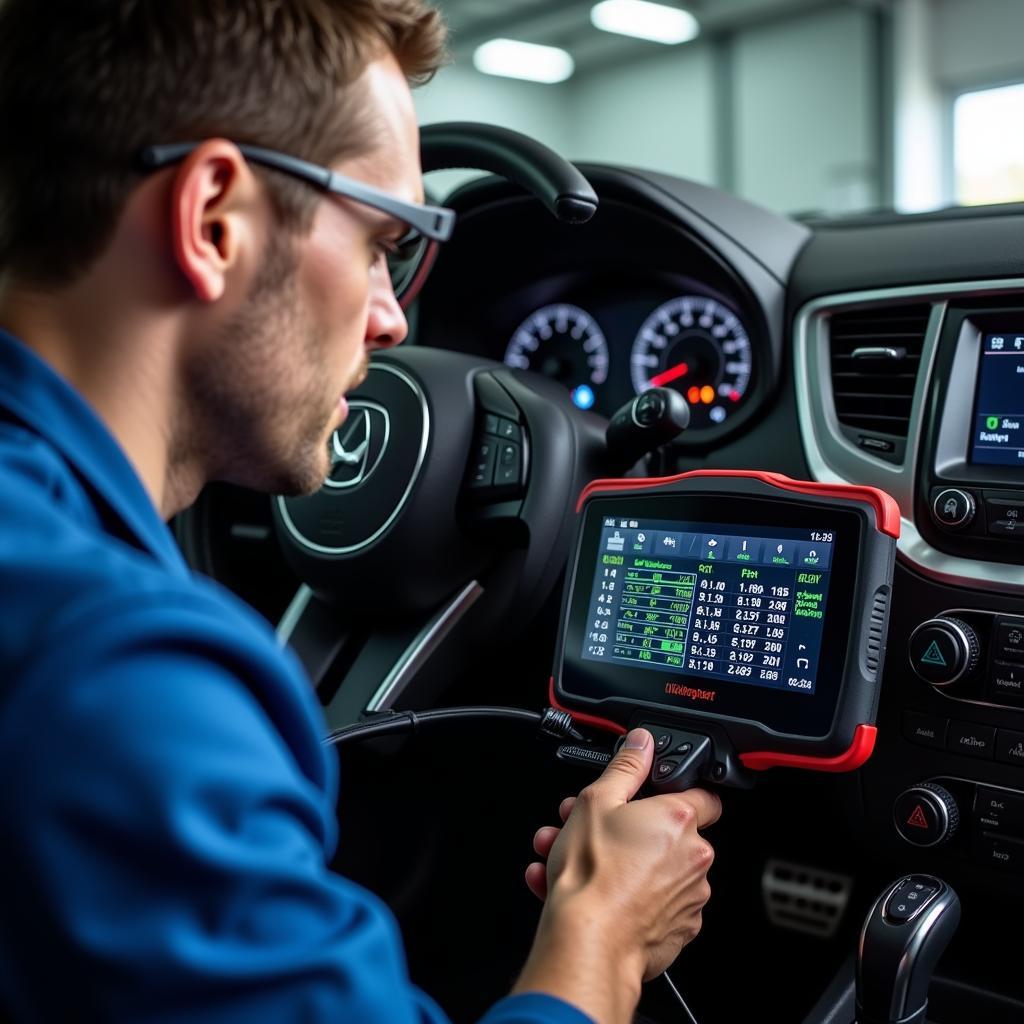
(583, 397)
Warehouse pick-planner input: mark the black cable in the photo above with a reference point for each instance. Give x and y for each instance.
(554, 723)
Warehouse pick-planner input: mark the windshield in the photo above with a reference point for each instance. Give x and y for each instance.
(808, 108)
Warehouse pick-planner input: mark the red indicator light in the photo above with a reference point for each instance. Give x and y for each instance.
(693, 395)
(735, 396)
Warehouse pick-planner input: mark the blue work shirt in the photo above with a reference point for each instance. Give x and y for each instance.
(167, 809)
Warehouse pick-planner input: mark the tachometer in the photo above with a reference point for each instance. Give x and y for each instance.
(562, 342)
(698, 346)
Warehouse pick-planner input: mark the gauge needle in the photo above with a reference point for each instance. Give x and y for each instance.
(671, 374)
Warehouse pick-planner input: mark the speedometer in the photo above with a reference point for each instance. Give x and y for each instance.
(562, 342)
(698, 346)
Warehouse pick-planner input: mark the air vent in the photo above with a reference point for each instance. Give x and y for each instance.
(875, 358)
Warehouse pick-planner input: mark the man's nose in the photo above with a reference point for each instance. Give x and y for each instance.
(386, 325)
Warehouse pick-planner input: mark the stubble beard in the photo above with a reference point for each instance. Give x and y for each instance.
(261, 403)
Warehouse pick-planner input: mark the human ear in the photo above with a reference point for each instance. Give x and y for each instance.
(212, 189)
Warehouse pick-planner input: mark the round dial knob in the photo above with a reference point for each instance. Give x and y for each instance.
(953, 509)
(944, 650)
(926, 814)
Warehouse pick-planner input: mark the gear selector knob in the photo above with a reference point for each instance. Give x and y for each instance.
(903, 936)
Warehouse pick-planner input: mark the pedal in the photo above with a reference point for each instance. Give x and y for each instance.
(804, 899)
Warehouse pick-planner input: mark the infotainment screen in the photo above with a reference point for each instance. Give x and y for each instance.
(998, 438)
(738, 603)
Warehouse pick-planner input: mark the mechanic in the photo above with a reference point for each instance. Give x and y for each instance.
(167, 807)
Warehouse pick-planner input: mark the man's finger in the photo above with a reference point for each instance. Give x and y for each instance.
(545, 839)
(628, 769)
(707, 806)
(537, 880)
(565, 807)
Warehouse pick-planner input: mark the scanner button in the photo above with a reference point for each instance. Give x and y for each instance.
(663, 769)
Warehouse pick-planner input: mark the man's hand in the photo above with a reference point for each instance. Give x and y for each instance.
(624, 886)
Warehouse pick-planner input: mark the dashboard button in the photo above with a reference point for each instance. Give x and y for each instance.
(491, 423)
(953, 508)
(927, 730)
(942, 650)
(925, 815)
(1006, 528)
(998, 810)
(1009, 640)
(663, 769)
(999, 852)
(972, 740)
(1010, 746)
(1001, 509)
(662, 742)
(1007, 680)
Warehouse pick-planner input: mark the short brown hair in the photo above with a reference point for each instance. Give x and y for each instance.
(86, 84)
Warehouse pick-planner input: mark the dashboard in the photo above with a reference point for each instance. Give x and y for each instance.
(881, 351)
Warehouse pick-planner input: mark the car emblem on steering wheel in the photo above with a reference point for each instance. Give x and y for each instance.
(358, 445)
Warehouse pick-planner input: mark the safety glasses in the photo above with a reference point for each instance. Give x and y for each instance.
(414, 253)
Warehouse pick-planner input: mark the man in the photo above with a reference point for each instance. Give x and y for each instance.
(175, 316)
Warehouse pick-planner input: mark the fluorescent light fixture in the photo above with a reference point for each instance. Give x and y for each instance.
(513, 59)
(645, 20)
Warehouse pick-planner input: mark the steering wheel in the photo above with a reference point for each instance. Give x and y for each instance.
(451, 490)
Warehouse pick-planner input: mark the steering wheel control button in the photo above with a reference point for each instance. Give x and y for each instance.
(925, 730)
(953, 509)
(972, 740)
(1009, 640)
(943, 650)
(508, 472)
(482, 467)
(926, 815)
(664, 769)
(1010, 747)
(909, 900)
(509, 431)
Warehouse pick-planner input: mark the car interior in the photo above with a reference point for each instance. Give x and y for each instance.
(878, 349)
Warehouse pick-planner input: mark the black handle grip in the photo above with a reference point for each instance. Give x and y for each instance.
(512, 155)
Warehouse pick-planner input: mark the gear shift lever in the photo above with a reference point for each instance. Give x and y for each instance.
(903, 936)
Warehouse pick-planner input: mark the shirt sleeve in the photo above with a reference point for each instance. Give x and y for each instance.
(168, 818)
(534, 1008)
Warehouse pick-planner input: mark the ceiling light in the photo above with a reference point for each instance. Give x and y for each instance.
(645, 20)
(513, 59)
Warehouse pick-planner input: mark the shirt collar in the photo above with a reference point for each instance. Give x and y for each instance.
(42, 400)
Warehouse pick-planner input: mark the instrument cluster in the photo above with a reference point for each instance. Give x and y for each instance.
(605, 347)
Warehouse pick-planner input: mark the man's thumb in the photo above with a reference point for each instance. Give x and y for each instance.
(628, 769)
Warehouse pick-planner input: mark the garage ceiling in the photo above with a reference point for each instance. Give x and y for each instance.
(566, 23)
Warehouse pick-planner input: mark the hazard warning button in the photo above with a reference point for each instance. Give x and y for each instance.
(943, 650)
(926, 815)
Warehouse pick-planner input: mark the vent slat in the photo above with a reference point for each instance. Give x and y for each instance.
(875, 395)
